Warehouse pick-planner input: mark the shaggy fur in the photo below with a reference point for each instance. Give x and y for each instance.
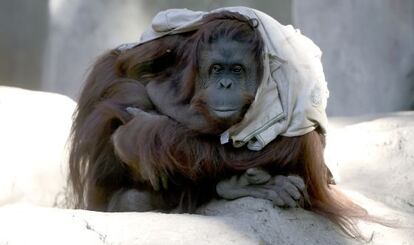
(180, 165)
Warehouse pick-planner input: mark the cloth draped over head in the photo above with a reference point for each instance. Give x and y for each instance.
(291, 98)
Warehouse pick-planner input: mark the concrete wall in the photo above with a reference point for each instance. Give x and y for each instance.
(23, 35)
(368, 52)
(368, 45)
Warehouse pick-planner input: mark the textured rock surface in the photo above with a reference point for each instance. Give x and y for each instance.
(34, 127)
(244, 221)
(374, 157)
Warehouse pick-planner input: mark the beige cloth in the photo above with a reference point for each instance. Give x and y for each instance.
(291, 99)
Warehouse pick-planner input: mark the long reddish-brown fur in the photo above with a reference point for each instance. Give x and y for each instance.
(193, 162)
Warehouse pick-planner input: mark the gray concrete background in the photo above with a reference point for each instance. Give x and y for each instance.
(368, 52)
(368, 45)
(23, 33)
